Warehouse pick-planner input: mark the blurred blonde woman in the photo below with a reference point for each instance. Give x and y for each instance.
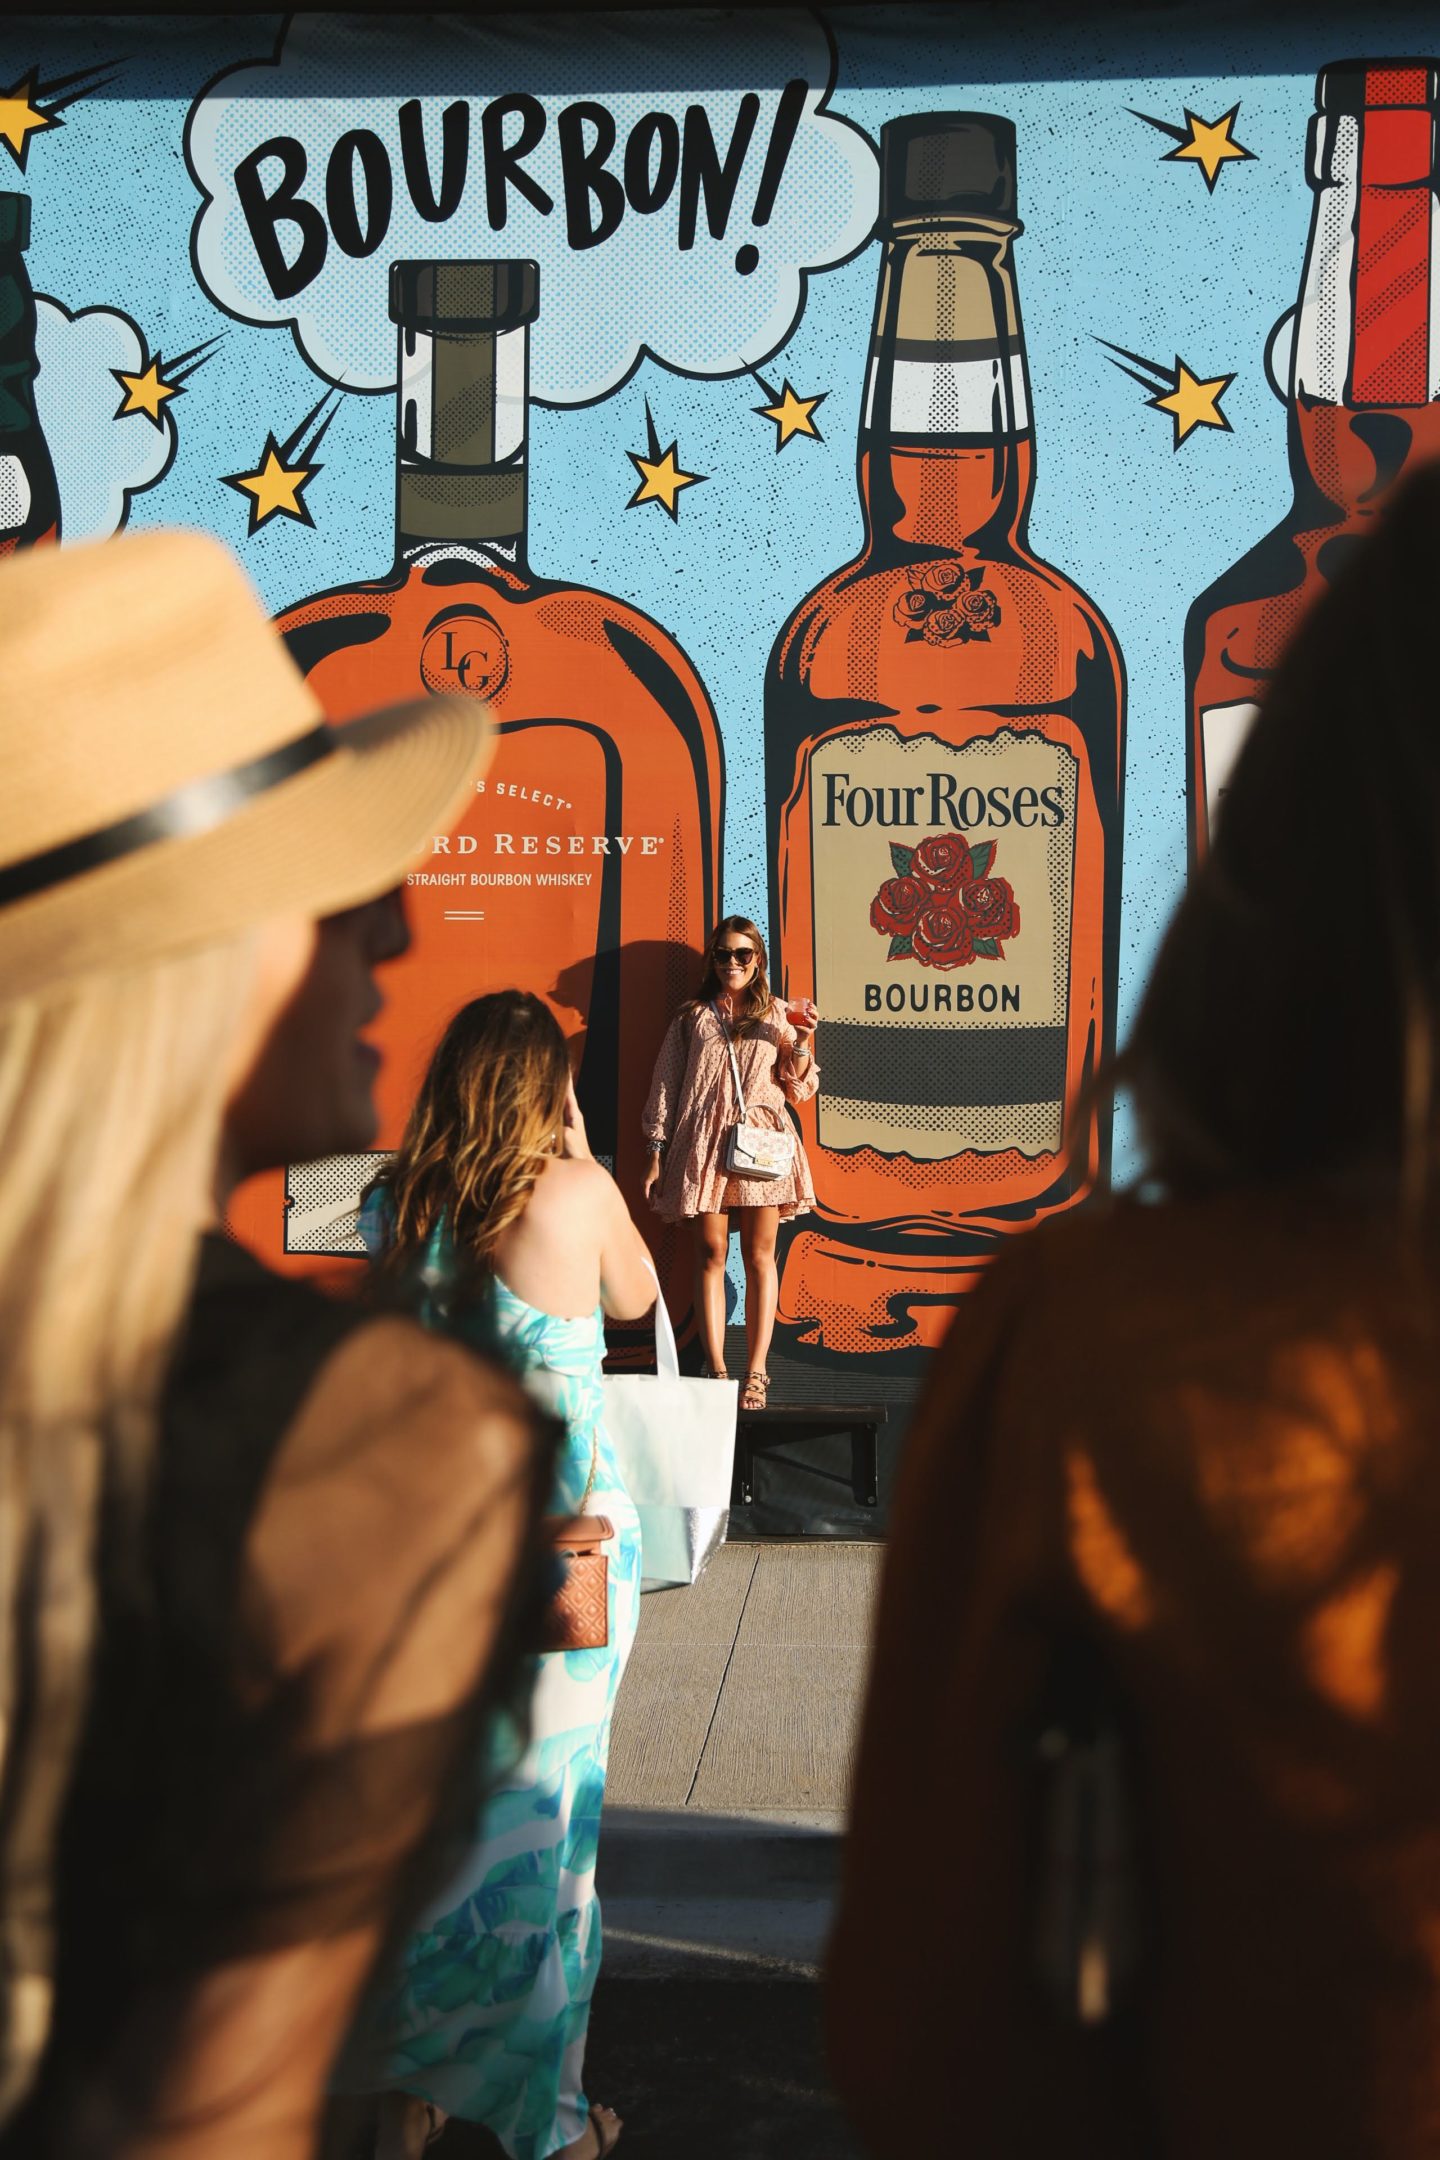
(242, 1651)
(495, 1202)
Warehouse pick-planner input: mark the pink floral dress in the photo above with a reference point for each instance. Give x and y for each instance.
(692, 1107)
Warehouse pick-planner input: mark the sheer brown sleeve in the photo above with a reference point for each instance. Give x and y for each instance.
(389, 1567)
(332, 1723)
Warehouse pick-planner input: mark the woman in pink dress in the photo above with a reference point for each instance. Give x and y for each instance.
(692, 1110)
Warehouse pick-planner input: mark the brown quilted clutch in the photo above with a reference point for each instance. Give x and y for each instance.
(578, 1616)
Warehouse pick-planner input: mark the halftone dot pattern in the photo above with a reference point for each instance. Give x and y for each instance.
(1042, 665)
(1334, 230)
(322, 1202)
(328, 607)
(994, 1129)
(574, 617)
(965, 1169)
(675, 919)
(103, 463)
(1395, 86)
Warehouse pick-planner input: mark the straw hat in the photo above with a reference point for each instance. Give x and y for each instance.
(166, 774)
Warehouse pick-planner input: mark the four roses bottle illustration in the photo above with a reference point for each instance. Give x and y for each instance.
(942, 907)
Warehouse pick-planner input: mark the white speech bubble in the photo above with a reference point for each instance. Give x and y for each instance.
(100, 461)
(413, 141)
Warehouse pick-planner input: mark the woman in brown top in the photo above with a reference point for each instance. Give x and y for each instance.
(1167, 1542)
(262, 1556)
(693, 1108)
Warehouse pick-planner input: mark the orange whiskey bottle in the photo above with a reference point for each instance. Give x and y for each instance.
(587, 867)
(944, 725)
(29, 499)
(1364, 396)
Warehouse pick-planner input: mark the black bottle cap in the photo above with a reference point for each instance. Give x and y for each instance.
(1361, 86)
(948, 164)
(469, 296)
(14, 221)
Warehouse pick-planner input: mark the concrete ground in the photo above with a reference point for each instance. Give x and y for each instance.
(742, 1694)
(729, 1771)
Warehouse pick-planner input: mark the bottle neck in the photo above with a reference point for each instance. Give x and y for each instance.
(461, 443)
(17, 348)
(1365, 378)
(946, 452)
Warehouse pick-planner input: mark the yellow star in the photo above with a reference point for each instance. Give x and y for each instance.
(792, 415)
(20, 116)
(145, 393)
(1193, 403)
(275, 488)
(1209, 145)
(661, 478)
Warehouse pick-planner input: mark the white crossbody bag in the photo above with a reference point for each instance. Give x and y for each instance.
(754, 1151)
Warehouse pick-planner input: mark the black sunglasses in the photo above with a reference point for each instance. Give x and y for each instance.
(742, 953)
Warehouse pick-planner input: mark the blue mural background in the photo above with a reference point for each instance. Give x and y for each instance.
(1119, 244)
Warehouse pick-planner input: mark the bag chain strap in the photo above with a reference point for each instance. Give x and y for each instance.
(734, 1066)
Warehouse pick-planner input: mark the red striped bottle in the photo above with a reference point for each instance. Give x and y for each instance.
(1364, 394)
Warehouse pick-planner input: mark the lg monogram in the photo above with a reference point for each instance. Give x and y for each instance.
(464, 651)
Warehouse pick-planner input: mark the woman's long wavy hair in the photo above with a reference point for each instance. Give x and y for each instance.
(111, 1101)
(486, 1121)
(1291, 1027)
(755, 1004)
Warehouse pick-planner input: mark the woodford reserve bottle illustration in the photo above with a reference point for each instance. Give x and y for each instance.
(588, 867)
(945, 749)
(1364, 395)
(29, 499)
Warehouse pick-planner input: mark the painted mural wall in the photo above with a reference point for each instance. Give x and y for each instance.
(868, 462)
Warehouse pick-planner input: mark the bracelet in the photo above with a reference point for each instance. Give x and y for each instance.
(656, 1147)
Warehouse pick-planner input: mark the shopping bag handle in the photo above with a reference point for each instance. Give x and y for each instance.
(667, 1357)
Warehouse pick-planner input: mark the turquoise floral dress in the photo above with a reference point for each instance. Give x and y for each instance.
(489, 2012)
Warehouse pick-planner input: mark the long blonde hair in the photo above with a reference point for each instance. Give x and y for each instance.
(486, 1121)
(111, 1101)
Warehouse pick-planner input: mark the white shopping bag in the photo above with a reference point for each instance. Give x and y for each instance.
(674, 1441)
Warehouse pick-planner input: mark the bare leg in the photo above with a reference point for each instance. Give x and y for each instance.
(758, 1227)
(712, 1243)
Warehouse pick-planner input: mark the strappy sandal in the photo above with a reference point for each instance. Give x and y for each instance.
(718, 1374)
(757, 1387)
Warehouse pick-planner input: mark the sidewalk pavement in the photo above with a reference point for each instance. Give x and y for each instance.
(729, 1765)
(729, 1773)
(730, 1761)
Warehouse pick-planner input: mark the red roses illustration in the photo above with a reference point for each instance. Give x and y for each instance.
(946, 604)
(943, 907)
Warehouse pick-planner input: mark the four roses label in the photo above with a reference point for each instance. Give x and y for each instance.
(942, 907)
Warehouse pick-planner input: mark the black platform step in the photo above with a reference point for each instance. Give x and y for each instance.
(813, 1421)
